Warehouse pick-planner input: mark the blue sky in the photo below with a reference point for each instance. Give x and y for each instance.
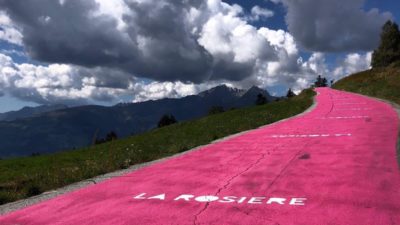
(42, 64)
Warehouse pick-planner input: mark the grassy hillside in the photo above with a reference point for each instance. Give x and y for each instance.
(25, 177)
(381, 83)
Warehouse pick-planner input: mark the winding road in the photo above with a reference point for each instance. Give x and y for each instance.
(333, 165)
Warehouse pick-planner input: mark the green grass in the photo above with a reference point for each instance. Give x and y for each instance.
(381, 83)
(24, 177)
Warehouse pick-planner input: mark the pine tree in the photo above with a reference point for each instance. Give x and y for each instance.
(261, 99)
(290, 93)
(166, 120)
(389, 47)
(215, 110)
(111, 136)
(324, 82)
(321, 82)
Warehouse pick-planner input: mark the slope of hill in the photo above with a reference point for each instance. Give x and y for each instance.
(381, 83)
(29, 112)
(24, 177)
(76, 127)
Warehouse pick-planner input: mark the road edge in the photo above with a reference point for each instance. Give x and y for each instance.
(396, 108)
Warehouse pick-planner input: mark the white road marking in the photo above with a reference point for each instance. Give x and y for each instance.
(350, 103)
(345, 117)
(309, 135)
(355, 109)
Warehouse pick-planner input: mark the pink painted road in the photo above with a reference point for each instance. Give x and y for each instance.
(333, 165)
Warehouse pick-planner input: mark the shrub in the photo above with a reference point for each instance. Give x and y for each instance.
(290, 93)
(215, 110)
(321, 82)
(166, 120)
(261, 99)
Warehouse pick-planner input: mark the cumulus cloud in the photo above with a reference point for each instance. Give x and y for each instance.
(258, 13)
(158, 90)
(8, 31)
(352, 63)
(274, 1)
(163, 41)
(68, 84)
(181, 47)
(334, 26)
(59, 82)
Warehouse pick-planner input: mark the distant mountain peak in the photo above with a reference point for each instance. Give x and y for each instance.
(222, 90)
(255, 90)
(29, 111)
(254, 87)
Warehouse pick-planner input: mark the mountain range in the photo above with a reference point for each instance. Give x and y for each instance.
(29, 112)
(47, 129)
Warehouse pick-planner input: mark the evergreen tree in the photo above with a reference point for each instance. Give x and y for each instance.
(321, 82)
(166, 120)
(290, 93)
(261, 99)
(111, 136)
(216, 110)
(324, 82)
(389, 47)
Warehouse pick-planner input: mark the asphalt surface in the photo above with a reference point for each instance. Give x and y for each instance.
(333, 165)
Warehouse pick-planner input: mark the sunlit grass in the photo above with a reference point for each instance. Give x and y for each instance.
(381, 83)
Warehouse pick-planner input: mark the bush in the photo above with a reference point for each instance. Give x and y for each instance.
(111, 136)
(215, 110)
(33, 190)
(290, 93)
(261, 99)
(34, 154)
(321, 82)
(166, 120)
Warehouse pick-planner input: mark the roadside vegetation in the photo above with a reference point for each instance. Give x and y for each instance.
(24, 177)
(378, 82)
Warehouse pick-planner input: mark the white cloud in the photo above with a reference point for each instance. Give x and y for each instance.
(8, 31)
(317, 63)
(240, 55)
(274, 1)
(334, 25)
(115, 9)
(258, 13)
(77, 85)
(52, 83)
(281, 40)
(352, 63)
(270, 56)
(158, 90)
(225, 35)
